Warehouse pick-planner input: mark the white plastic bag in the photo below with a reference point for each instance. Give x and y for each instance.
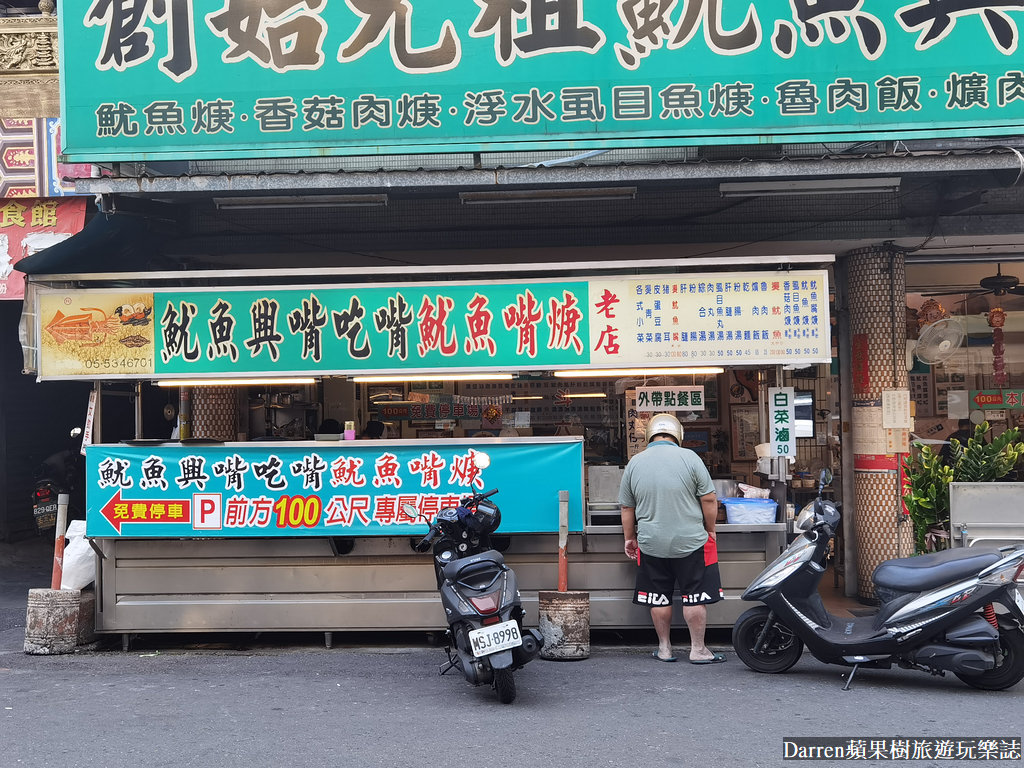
(752, 492)
(79, 569)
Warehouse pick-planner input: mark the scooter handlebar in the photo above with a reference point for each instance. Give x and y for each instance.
(477, 498)
(425, 543)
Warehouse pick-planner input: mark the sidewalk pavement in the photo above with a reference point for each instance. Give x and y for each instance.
(24, 565)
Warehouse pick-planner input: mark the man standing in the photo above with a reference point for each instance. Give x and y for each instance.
(669, 509)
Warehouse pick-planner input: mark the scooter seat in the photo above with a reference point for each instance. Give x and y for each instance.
(916, 574)
(485, 561)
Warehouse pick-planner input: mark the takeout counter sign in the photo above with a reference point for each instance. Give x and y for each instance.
(324, 488)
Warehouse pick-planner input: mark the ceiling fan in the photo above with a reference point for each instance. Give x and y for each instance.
(997, 285)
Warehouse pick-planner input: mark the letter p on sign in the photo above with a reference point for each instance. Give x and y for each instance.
(206, 511)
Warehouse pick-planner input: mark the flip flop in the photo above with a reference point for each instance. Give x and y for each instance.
(670, 658)
(718, 658)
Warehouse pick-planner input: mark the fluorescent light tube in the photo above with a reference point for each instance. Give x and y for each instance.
(809, 187)
(393, 379)
(299, 201)
(598, 372)
(570, 195)
(234, 382)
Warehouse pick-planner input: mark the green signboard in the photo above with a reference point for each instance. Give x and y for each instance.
(161, 79)
(734, 318)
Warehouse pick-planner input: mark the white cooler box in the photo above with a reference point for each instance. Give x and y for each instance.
(742, 511)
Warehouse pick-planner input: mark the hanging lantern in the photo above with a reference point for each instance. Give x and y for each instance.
(996, 320)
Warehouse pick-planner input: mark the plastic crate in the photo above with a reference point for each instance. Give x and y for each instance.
(741, 511)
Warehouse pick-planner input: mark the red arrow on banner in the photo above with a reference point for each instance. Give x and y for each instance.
(119, 511)
(989, 399)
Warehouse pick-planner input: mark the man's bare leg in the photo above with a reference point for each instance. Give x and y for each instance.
(696, 618)
(662, 618)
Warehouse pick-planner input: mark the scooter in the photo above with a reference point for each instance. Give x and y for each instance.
(938, 612)
(56, 475)
(480, 596)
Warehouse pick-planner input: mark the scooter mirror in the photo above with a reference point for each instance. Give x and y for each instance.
(411, 512)
(481, 460)
(826, 476)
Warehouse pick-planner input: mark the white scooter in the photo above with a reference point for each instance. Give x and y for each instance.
(956, 611)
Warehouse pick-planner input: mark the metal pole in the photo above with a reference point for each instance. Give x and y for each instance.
(58, 545)
(563, 540)
(138, 410)
(97, 429)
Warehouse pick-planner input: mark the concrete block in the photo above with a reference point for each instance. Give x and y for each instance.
(51, 621)
(87, 617)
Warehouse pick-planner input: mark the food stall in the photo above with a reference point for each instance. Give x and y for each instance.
(553, 378)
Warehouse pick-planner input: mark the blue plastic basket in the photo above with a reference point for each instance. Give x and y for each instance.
(742, 511)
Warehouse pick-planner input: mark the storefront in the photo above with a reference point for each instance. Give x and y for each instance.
(257, 519)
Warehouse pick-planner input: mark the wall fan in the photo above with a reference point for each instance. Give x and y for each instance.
(997, 285)
(939, 341)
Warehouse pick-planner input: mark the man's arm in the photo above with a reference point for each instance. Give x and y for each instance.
(629, 531)
(709, 506)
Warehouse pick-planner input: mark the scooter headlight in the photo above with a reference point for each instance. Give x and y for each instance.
(805, 520)
(776, 577)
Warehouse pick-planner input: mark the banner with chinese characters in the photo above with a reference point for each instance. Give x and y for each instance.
(735, 318)
(349, 488)
(177, 79)
(997, 399)
(782, 420)
(28, 225)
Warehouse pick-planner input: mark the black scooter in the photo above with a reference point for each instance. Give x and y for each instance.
(56, 475)
(956, 611)
(480, 596)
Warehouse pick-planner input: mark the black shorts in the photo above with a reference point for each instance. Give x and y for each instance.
(696, 574)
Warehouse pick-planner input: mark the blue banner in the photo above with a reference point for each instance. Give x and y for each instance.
(359, 488)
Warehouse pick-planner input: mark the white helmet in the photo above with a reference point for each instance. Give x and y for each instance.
(665, 424)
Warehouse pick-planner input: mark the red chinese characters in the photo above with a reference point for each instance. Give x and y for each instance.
(434, 334)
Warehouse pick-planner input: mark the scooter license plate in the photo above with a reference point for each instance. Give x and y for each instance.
(1018, 599)
(497, 637)
(46, 510)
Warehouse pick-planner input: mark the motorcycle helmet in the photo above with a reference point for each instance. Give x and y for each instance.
(665, 424)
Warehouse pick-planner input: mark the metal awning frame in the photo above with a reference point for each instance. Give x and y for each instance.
(335, 275)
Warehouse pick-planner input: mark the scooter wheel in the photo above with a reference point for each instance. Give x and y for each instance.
(1009, 672)
(505, 685)
(780, 650)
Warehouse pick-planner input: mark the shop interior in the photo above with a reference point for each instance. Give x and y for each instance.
(600, 409)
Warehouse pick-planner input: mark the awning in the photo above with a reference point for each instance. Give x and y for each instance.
(107, 243)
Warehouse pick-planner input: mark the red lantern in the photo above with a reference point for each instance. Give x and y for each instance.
(996, 320)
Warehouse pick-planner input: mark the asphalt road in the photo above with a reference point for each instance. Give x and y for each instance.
(252, 701)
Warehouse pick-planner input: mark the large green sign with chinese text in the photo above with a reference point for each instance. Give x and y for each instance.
(159, 79)
(736, 318)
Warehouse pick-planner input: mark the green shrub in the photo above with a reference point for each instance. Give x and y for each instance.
(927, 479)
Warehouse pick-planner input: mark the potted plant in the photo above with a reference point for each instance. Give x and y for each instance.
(927, 477)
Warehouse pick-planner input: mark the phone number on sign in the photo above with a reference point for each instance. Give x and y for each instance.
(118, 364)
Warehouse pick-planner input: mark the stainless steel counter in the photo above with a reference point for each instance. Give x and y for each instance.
(190, 585)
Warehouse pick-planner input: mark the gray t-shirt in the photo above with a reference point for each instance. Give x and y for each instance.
(664, 484)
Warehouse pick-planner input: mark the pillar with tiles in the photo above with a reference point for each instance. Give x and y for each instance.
(214, 413)
(876, 287)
